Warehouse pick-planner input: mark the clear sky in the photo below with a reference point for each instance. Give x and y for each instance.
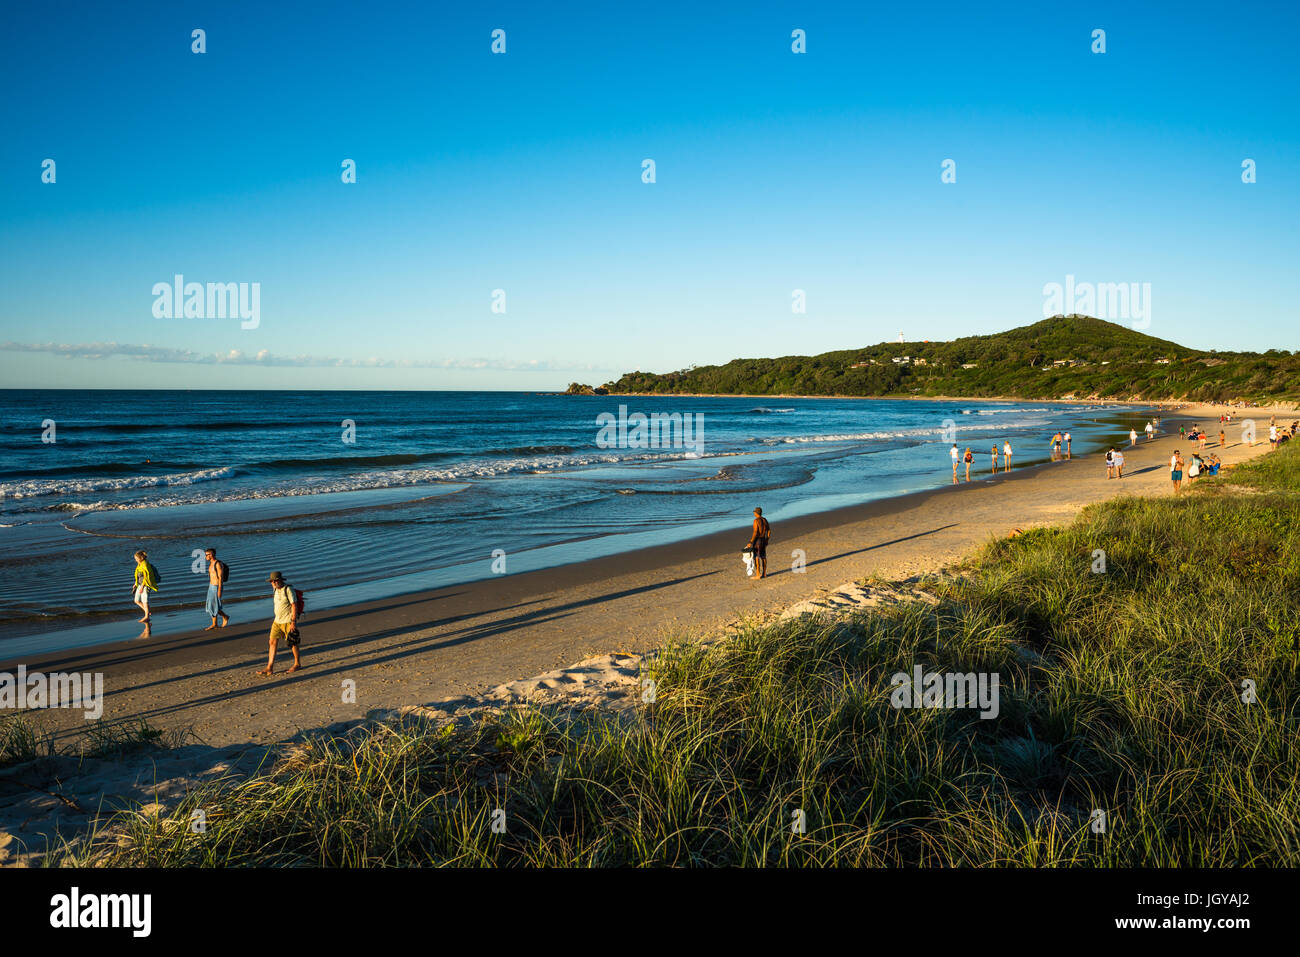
(522, 171)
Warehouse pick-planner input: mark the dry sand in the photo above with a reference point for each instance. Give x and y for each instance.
(448, 653)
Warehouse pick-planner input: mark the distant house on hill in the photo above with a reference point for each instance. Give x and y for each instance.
(902, 360)
(970, 365)
(1162, 362)
(920, 362)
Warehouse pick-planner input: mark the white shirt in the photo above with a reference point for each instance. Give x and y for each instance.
(1006, 449)
(1119, 459)
(954, 453)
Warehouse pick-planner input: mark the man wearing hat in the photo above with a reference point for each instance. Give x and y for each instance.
(285, 624)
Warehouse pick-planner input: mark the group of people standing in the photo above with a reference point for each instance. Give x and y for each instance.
(287, 603)
(968, 458)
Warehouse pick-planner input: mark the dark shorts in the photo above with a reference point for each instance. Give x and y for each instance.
(760, 548)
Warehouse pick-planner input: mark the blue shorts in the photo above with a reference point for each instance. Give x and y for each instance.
(213, 604)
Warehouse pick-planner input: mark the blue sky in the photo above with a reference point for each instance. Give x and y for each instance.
(522, 172)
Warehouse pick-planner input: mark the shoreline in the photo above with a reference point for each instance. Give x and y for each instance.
(105, 626)
(462, 639)
(573, 637)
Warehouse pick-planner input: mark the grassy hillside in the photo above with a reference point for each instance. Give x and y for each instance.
(1061, 357)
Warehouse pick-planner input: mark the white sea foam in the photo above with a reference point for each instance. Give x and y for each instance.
(38, 487)
(903, 433)
(320, 484)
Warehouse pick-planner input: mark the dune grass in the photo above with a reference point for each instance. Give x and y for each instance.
(1147, 717)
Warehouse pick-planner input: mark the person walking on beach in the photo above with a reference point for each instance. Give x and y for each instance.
(146, 580)
(218, 572)
(1110, 463)
(1176, 470)
(1272, 436)
(1056, 446)
(1223, 438)
(969, 458)
(1132, 437)
(1151, 431)
(761, 531)
(995, 458)
(1067, 445)
(285, 624)
(955, 454)
(1119, 464)
(1006, 456)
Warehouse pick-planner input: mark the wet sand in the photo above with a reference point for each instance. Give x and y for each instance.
(465, 639)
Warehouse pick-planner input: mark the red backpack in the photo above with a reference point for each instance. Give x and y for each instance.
(299, 601)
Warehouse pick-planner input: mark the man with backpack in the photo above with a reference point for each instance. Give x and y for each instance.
(218, 573)
(758, 537)
(288, 605)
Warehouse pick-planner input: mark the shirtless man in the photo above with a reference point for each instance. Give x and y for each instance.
(758, 537)
(215, 587)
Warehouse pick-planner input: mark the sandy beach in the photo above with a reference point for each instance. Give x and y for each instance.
(454, 643)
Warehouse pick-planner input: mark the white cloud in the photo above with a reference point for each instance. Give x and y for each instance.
(148, 353)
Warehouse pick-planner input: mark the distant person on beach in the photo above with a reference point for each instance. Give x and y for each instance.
(1194, 470)
(1176, 471)
(1272, 436)
(1006, 456)
(1110, 463)
(762, 531)
(955, 456)
(146, 580)
(1151, 431)
(1056, 446)
(285, 623)
(995, 459)
(1132, 436)
(1067, 445)
(1223, 438)
(968, 458)
(1119, 464)
(218, 572)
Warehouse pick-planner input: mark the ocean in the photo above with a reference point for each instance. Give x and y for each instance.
(363, 495)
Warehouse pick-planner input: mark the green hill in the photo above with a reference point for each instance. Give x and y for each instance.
(1061, 357)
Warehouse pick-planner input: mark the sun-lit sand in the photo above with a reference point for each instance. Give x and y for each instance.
(448, 652)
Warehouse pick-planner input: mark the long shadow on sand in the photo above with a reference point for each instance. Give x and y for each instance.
(868, 548)
(360, 657)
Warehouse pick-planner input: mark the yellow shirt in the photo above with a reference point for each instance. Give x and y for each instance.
(145, 575)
